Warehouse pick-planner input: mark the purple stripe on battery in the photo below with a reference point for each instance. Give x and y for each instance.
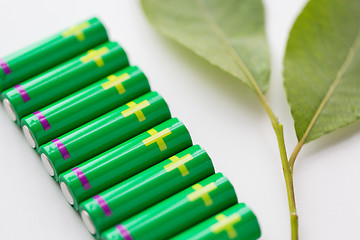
(64, 152)
(84, 181)
(25, 96)
(5, 66)
(44, 122)
(103, 204)
(124, 232)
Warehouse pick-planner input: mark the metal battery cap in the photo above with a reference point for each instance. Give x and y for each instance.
(29, 137)
(65, 190)
(88, 222)
(46, 162)
(9, 109)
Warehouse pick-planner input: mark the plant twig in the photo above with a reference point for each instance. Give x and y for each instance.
(288, 173)
(278, 127)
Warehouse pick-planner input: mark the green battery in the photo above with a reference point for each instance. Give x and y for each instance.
(177, 213)
(84, 105)
(58, 82)
(146, 189)
(50, 52)
(124, 161)
(237, 222)
(103, 133)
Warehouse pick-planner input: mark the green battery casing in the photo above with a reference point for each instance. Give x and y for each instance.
(86, 104)
(148, 188)
(177, 213)
(105, 132)
(125, 160)
(237, 222)
(50, 52)
(58, 82)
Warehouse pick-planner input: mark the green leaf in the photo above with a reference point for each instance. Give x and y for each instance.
(322, 67)
(229, 34)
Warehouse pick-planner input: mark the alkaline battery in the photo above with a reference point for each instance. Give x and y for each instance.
(178, 212)
(124, 161)
(146, 189)
(56, 83)
(50, 52)
(237, 222)
(84, 105)
(103, 133)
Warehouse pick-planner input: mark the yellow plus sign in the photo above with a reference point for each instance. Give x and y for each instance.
(179, 163)
(136, 108)
(203, 193)
(116, 81)
(77, 31)
(95, 55)
(157, 137)
(226, 224)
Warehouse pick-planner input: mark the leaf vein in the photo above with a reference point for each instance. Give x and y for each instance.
(222, 37)
(338, 77)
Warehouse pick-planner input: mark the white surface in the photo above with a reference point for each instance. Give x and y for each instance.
(221, 114)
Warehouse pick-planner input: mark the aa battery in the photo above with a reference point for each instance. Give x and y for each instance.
(103, 133)
(123, 161)
(177, 213)
(146, 189)
(237, 222)
(58, 82)
(84, 105)
(50, 52)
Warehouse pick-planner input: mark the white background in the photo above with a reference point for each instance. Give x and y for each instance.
(221, 113)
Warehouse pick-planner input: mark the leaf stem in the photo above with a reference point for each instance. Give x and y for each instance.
(288, 172)
(295, 153)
